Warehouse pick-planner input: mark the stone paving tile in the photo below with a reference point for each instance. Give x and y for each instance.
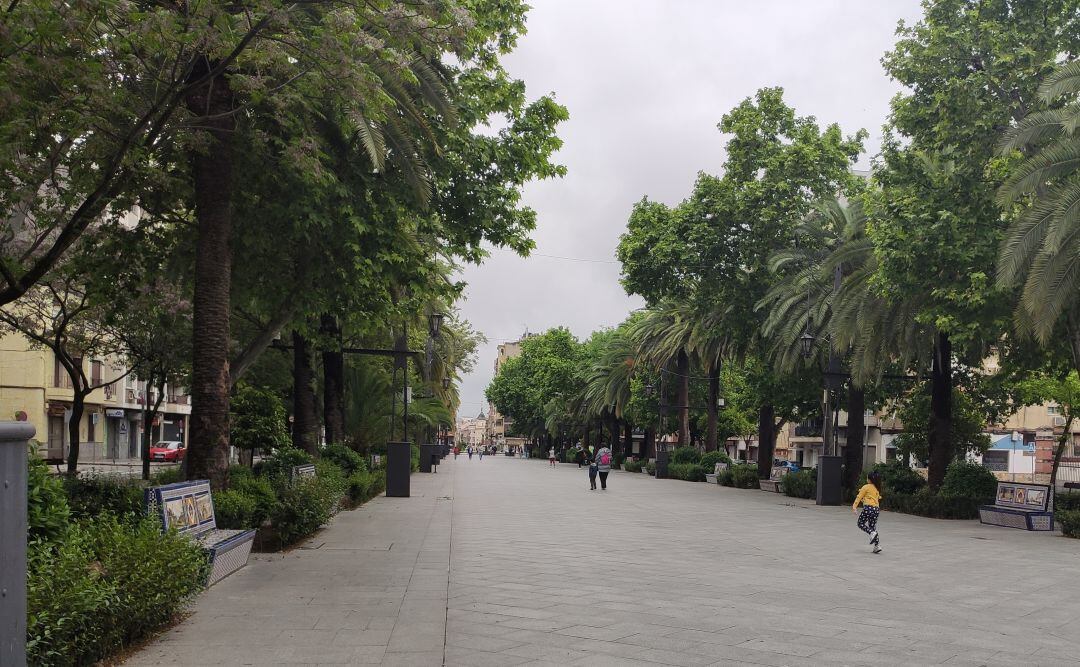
(523, 565)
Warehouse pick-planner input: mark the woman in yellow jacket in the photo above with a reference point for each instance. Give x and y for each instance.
(870, 499)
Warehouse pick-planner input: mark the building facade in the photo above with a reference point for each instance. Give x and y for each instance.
(35, 388)
(498, 425)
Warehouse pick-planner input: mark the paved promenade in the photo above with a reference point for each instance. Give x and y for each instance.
(507, 562)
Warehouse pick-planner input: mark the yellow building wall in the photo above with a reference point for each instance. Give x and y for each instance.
(22, 382)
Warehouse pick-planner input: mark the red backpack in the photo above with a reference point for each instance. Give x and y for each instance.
(605, 459)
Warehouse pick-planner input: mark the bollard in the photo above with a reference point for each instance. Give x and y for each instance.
(14, 439)
(398, 465)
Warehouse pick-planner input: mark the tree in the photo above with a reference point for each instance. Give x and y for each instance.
(63, 316)
(257, 419)
(1040, 251)
(549, 366)
(971, 68)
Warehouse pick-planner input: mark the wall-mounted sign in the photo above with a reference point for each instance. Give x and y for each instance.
(20, 416)
(114, 413)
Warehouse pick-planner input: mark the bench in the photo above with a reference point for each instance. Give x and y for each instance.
(189, 508)
(1024, 506)
(301, 471)
(714, 476)
(773, 483)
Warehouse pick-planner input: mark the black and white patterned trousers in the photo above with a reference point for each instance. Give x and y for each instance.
(868, 519)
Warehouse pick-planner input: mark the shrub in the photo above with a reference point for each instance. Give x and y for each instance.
(345, 458)
(650, 467)
(168, 475)
(744, 476)
(536, 453)
(1070, 522)
(710, 459)
(260, 490)
(364, 485)
(726, 477)
(278, 466)
(633, 466)
(307, 504)
(414, 458)
(685, 455)
(90, 495)
(925, 503)
(801, 484)
(235, 509)
(47, 507)
(689, 472)
(106, 585)
(1067, 501)
(964, 479)
(898, 477)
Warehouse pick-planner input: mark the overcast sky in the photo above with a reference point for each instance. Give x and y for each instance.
(646, 82)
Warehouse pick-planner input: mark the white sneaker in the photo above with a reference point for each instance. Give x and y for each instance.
(877, 549)
(873, 537)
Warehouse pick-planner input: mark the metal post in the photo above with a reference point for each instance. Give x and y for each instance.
(14, 438)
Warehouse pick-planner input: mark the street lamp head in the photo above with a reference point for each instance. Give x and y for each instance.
(446, 383)
(649, 389)
(435, 321)
(806, 342)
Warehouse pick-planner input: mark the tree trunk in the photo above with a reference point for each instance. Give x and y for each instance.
(713, 421)
(212, 170)
(333, 383)
(1063, 441)
(78, 405)
(682, 368)
(628, 440)
(941, 449)
(305, 421)
(614, 432)
(148, 419)
(587, 439)
(855, 442)
(766, 440)
(649, 449)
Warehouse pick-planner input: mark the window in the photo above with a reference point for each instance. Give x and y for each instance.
(1053, 410)
(95, 372)
(91, 420)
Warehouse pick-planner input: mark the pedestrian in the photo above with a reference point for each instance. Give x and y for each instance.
(593, 470)
(551, 457)
(481, 453)
(870, 499)
(470, 452)
(603, 466)
(456, 450)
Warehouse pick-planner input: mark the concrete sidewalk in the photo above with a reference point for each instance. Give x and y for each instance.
(508, 562)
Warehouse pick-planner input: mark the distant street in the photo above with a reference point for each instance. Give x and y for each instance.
(508, 562)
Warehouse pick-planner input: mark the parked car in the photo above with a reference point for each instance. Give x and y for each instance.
(168, 450)
(790, 465)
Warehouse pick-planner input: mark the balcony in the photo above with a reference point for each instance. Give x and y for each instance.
(811, 428)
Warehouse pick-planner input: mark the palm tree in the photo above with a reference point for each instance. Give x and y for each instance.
(662, 336)
(1041, 250)
(856, 320)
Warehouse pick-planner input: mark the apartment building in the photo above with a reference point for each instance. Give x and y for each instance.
(496, 424)
(35, 388)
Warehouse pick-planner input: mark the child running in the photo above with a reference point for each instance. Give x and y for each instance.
(870, 499)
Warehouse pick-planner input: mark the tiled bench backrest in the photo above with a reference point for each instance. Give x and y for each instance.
(186, 506)
(777, 473)
(1035, 497)
(302, 471)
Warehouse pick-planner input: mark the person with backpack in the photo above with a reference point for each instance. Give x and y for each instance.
(603, 466)
(870, 499)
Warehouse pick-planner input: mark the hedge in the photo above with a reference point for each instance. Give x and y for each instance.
(934, 506)
(688, 472)
(633, 466)
(1067, 501)
(98, 581)
(740, 476)
(801, 484)
(1070, 522)
(710, 459)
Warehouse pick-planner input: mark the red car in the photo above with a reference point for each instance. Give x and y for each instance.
(168, 450)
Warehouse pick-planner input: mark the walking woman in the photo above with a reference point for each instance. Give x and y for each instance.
(603, 466)
(870, 499)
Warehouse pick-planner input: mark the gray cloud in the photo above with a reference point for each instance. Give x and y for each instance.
(646, 82)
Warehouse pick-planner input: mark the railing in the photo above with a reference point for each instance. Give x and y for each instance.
(1068, 472)
(809, 429)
